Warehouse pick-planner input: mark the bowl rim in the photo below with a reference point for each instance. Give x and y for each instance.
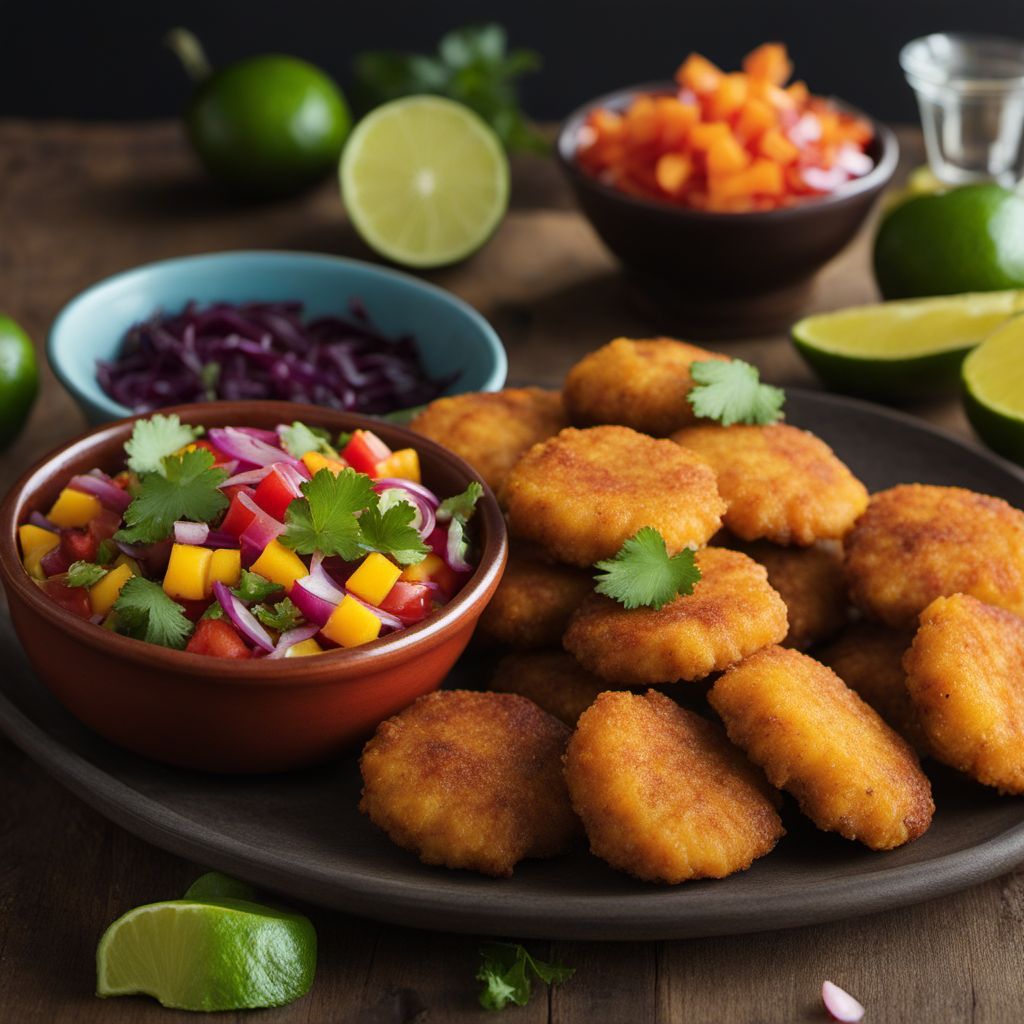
(496, 375)
(374, 657)
(874, 180)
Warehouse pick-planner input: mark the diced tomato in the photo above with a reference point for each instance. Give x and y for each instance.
(364, 451)
(105, 525)
(122, 480)
(438, 541)
(78, 544)
(218, 639)
(274, 494)
(238, 517)
(71, 599)
(448, 580)
(410, 602)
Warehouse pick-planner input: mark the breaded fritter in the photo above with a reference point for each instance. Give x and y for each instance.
(583, 493)
(918, 542)
(869, 659)
(492, 429)
(965, 676)
(470, 780)
(641, 384)
(810, 581)
(731, 613)
(662, 794)
(533, 602)
(815, 738)
(553, 680)
(779, 483)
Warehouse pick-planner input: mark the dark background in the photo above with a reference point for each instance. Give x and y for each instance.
(89, 59)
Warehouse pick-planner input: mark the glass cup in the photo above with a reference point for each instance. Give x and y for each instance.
(970, 91)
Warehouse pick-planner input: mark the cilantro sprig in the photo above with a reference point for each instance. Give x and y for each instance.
(643, 574)
(254, 587)
(391, 532)
(732, 392)
(145, 612)
(281, 616)
(298, 439)
(85, 574)
(507, 972)
(462, 505)
(155, 438)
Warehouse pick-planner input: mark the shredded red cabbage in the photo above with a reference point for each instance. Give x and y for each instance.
(266, 350)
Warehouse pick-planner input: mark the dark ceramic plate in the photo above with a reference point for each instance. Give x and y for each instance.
(301, 834)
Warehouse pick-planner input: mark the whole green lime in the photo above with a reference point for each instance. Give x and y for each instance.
(969, 239)
(268, 126)
(19, 379)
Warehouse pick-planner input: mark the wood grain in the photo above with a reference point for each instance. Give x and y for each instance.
(77, 203)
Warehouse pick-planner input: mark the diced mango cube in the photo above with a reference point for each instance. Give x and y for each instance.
(303, 649)
(404, 464)
(422, 571)
(187, 572)
(36, 543)
(102, 595)
(73, 508)
(315, 461)
(351, 624)
(374, 578)
(280, 565)
(225, 567)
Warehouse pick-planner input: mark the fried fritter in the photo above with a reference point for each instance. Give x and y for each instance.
(470, 780)
(918, 542)
(965, 676)
(663, 795)
(583, 493)
(810, 581)
(731, 613)
(780, 483)
(492, 429)
(553, 680)
(533, 602)
(869, 659)
(635, 383)
(815, 738)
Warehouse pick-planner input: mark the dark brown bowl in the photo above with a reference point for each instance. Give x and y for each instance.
(711, 260)
(237, 716)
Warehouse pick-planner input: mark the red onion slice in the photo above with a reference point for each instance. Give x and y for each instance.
(108, 494)
(269, 436)
(38, 519)
(425, 520)
(312, 606)
(319, 583)
(840, 1004)
(410, 485)
(237, 444)
(54, 562)
(191, 533)
(293, 637)
(241, 618)
(221, 539)
(250, 476)
(386, 618)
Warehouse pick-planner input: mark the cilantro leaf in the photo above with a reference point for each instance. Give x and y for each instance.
(299, 439)
(732, 392)
(85, 574)
(187, 488)
(254, 587)
(214, 610)
(281, 616)
(107, 552)
(506, 970)
(324, 519)
(461, 505)
(643, 575)
(145, 612)
(390, 532)
(154, 439)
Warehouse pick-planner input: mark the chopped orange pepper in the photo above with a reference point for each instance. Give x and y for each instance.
(769, 62)
(699, 74)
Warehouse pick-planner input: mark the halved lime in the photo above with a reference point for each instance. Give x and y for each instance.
(19, 379)
(424, 180)
(198, 955)
(215, 886)
(901, 350)
(993, 380)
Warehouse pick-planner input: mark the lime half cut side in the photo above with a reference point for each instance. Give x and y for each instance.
(901, 350)
(993, 382)
(424, 181)
(194, 955)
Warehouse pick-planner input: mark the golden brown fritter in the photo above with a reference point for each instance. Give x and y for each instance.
(583, 493)
(663, 795)
(810, 581)
(533, 602)
(780, 483)
(641, 384)
(815, 738)
(492, 429)
(731, 613)
(965, 676)
(470, 780)
(869, 659)
(553, 680)
(918, 542)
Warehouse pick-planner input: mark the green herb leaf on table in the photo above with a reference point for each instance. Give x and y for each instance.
(85, 574)
(299, 439)
(324, 518)
(145, 612)
(254, 587)
(643, 574)
(187, 488)
(154, 439)
(506, 971)
(732, 392)
(461, 506)
(391, 533)
(281, 616)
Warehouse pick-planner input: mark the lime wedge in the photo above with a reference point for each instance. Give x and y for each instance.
(993, 381)
(901, 350)
(424, 180)
(194, 955)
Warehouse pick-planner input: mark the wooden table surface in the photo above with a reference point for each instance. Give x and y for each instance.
(80, 202)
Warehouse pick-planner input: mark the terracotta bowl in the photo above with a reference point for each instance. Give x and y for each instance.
(230, 716)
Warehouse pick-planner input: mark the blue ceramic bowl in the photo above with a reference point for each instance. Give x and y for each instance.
(452, 337)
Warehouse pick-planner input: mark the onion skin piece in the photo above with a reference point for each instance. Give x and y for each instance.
(840, 1004)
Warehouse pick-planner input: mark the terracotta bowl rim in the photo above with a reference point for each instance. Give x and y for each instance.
(323, 669)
